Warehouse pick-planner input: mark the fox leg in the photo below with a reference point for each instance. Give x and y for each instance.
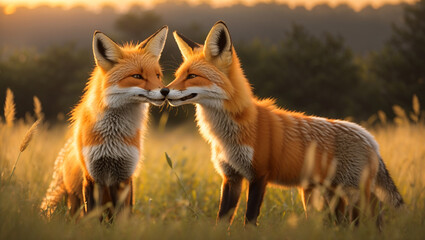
(88, 195)
(375, 207)
(305, 194)
(230, 193)
(116, 190)
(129, 201)
(340, 211)
(256, 191)
(74, 203)
(337, 206)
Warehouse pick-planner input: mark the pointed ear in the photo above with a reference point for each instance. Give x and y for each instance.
(155, 43)
(218, 42)
(106, 52)
(186, 45)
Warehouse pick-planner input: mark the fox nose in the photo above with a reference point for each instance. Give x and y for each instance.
(164, 91)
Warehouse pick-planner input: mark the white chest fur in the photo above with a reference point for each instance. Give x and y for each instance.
(114, 160)
(223, 133)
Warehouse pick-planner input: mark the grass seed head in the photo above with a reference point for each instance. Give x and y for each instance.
(28, 135)
(415, 104)
(37, 108)
(9, 108)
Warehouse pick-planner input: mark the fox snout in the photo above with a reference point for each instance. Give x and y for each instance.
(164, 91)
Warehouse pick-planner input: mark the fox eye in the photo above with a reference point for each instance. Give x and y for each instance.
(190, 76)
(138, 76)
(158, 76)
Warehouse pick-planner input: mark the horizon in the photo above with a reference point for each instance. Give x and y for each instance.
(10, 6)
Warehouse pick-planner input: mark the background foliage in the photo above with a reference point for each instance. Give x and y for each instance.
(317, 73)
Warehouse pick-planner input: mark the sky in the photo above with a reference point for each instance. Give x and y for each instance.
(122, 5)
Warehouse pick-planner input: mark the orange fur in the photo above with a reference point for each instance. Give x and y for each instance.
(108, 124)
(256, 140)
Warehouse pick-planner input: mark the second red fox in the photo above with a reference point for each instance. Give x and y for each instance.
(255, 140)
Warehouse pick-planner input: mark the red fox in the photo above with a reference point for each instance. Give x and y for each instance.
(108, 126)
(255, 140)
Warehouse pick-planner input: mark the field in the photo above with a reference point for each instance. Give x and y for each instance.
(181, 202)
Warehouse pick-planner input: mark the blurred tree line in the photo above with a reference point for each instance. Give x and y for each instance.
(56, 76)
(316, 74)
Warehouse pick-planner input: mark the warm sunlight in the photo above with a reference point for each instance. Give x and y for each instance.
(10, 5)
(9, 9)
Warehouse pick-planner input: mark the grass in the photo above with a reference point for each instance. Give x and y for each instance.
(185, 207)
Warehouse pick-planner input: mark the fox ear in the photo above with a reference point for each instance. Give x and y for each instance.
(106, 52)
(218, 43)
(186, 45)
(155, 43)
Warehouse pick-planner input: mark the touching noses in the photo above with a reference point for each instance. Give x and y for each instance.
(164, 91)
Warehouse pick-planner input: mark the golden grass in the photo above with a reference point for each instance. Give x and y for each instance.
(185, 207)
(28, 135)
(9, 108)
(25, 142)
(37, 108)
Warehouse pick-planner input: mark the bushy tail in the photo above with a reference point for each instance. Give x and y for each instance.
(56, 190)
(386, 189)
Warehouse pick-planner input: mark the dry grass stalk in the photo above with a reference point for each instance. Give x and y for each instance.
(163, 121)
(331, 171)
(399, 112)
(382, 117)
(416, 109)
(28, 135)
(371, 120)
(416, 105)
(308, 166)
(37, 108)
(9, 108)
(25, 142)
(401, 117)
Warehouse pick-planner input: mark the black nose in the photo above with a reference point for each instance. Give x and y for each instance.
(164, 91)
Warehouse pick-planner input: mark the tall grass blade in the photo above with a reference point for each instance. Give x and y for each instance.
(163, 122)
(308, 166)
(9, 108)
(37, 108)
(401, 117)
(416, 106)
(24, 144)
(170, 163)
(382, 117)
(28, 135)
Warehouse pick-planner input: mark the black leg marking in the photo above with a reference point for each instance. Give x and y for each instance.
(116, 192)
(99, 197)
(256, 191)
(230, 192)
(131, 195)
(355, 215)
(113, 191)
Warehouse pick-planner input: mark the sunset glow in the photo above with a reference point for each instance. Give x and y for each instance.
(122, 5)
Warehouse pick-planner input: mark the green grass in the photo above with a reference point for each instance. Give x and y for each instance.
(168, 207)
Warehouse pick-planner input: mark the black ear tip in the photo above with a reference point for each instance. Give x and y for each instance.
(180, 35)
(223, 39)
(189, 42)
(162, 28)
(221, 22)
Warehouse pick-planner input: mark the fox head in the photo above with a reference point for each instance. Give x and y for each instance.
(210, 74)
(131, 73)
